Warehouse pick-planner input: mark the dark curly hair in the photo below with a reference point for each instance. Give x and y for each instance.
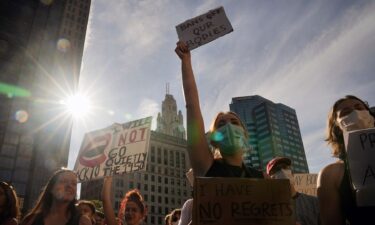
(132, 196)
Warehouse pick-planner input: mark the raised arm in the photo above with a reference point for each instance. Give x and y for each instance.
(109, 214)
(329, 180)
(200, 156)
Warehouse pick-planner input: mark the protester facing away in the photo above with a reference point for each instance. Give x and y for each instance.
(133, 208)
(307, 206)
(227, 132)
(9, 208)
(56, 203)
(87, 208)
(175, 217)
(335, 194)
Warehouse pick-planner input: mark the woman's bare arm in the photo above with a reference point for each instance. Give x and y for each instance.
(200, 157)
(107, 204)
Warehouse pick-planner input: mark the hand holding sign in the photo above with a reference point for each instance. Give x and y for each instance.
(204, 28)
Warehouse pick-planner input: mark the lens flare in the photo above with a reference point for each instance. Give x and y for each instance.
(21, 116)
(63, 45)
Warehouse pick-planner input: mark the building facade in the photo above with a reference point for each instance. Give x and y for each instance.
(163, 185)
(274, 131)
(41, 47)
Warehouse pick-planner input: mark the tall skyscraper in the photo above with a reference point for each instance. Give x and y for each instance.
(163, 185)
(41, 47)
(273, 129)
(169, 121)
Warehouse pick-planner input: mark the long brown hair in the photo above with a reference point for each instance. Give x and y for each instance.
(334, 136)
(11, 208)
(45, 199)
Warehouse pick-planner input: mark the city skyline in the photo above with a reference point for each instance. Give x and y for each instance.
(301, 54)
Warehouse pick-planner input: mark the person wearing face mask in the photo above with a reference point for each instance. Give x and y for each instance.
(335, 193)
(227, 133)
(307, 207)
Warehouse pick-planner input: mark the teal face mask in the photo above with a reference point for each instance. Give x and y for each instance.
(230, 139)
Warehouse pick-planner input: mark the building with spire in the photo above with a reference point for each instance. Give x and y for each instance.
(274, 131)
(170, 122)
(163, 185)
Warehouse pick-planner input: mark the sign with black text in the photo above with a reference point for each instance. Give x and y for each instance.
(360, 147)
(116, 150)
(306, 183)
(204, 28)
(242, 201)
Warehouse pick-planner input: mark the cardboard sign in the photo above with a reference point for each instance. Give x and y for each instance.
(204, 28)
(360, 147)
(306, 183)
(119, 149)
(242, 201)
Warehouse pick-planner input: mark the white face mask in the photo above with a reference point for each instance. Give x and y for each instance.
(356, 120)
(284, 174)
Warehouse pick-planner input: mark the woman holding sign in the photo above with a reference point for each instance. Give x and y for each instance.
(227, 133)
(336, 197)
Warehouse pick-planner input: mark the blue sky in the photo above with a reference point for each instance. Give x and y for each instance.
(304, 54)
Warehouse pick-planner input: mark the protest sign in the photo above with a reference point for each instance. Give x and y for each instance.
(118, 149)
(204, 28)
(360, 147)
(306, 183)
(242, 201)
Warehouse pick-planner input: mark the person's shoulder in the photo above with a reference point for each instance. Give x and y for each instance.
(333, 168)
(332, 173)
(309, 197)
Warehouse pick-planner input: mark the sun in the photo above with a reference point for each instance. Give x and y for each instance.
(77, 105)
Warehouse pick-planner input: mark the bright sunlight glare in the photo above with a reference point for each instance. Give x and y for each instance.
(77, 105)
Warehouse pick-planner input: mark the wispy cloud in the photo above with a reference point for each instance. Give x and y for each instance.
(305, 54)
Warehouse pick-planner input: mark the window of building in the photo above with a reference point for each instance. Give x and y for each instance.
(153, 188)
(171, 158)
(152, 198)
(153, 178)
(9, 149)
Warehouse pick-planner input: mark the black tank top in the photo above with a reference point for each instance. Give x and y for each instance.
(352, 213)
(221, 169)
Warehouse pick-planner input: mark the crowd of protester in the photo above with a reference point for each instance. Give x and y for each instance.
(334, 205)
